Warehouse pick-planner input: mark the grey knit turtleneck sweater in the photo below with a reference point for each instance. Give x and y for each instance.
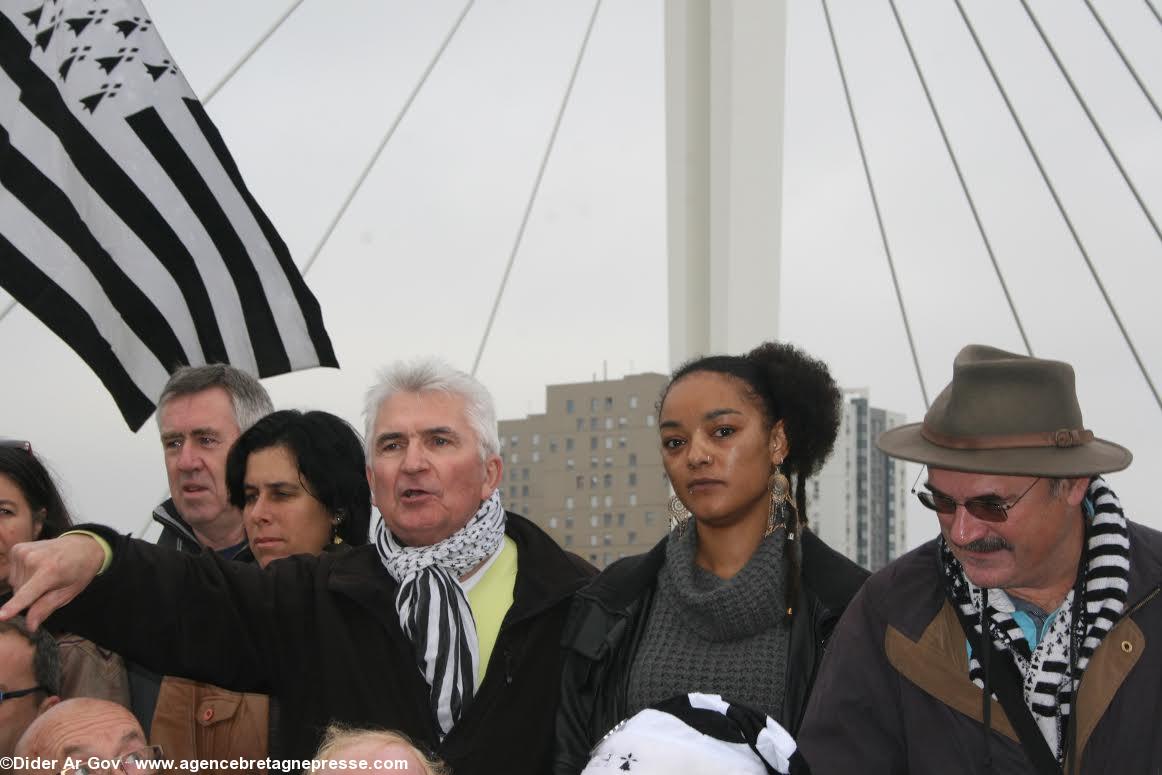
(707, 634)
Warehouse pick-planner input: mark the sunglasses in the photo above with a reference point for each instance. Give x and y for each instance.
(16, 444)
(989, 511)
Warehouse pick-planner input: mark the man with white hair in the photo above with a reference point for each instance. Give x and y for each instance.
(446, 628)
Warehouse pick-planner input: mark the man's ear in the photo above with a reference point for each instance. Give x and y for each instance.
(371, 485)
(47, 703)
(493, 472)
(1075, 493)
(777, 444)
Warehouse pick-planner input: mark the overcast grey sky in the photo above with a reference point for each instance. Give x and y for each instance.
(415, 264)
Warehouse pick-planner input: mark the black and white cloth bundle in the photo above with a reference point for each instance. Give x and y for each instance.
(1048, 690)
(433, 607)
(697, 733)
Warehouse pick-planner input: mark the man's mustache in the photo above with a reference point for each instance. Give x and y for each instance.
(985, 545)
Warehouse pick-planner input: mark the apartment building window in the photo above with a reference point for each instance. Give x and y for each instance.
(514, 458)
(607, 539)
(631, 537)
(608, 403)
(633, 458)
(608, 462)
(593, 540)
(552, 523)
(569, 464)
(633, 499)
(580, 423)
(593, 520)
(536, 456)
(621, 519)
(512, 491)
(650, 420)
(649, 518)
(593, 501)
(622, 422)
(524, 493)
(569, 444)
(568, 406)
(632, 479)
(592, 442)
(593, 405)
(608, 519)
(524, 474)
(609, 442)
(593, 423)
(633, 402)
(569, 522)
(592, 558)
(608, 501)
(593, 462)
(593, 482)
(536, 439)
(552, 445)
(621, 442)
(607, 481)
(568, 539)
(580, 482)
(608, 423)
(569, 502)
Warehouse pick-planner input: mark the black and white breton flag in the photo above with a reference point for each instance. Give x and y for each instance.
(125, 225)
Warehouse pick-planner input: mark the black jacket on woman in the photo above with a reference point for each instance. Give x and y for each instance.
(321, 634)
(605, 627)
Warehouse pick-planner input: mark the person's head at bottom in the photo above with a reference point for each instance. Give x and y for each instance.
(347, 744)
(696, 733)
(86, 736)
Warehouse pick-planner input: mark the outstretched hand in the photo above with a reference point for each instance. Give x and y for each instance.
(45, 575)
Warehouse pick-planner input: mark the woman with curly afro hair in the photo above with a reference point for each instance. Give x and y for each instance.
(741, 597)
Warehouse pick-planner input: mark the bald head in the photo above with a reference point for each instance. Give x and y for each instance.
(82, 729)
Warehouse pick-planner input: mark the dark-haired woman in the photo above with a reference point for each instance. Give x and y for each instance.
(299, 479)
(741, 598)
(31, 508)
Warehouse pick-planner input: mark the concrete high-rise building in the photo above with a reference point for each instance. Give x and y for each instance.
(857, 502)
(588, 470)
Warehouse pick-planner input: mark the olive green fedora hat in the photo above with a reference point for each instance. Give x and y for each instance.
(1005, 413)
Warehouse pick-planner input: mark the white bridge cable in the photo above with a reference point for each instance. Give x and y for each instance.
(875, 204)
(1057, 201)
(246, 57)
(1093, 120)
(536, 186)
(960, 177)
(1134, 73)
(1153, 10)
(386, 137)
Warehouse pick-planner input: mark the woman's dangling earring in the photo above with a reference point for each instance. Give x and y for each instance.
(679, 515)
(780, 489)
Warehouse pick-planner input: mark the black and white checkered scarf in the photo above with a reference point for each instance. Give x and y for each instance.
(433, 607)
(1047, 688)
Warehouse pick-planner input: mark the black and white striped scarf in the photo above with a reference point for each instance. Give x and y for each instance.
(1047, 689)
(433, 607)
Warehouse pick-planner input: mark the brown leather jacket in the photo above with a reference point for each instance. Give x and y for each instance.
(893, 694)
(200, 721)
(87, 670)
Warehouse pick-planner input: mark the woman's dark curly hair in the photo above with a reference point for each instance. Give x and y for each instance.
(31, 476)
(331, 461)
(797, 389)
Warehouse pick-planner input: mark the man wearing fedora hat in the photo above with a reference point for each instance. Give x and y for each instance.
(1034, 550)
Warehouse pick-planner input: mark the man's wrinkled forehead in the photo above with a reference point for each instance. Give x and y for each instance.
(417, 413)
